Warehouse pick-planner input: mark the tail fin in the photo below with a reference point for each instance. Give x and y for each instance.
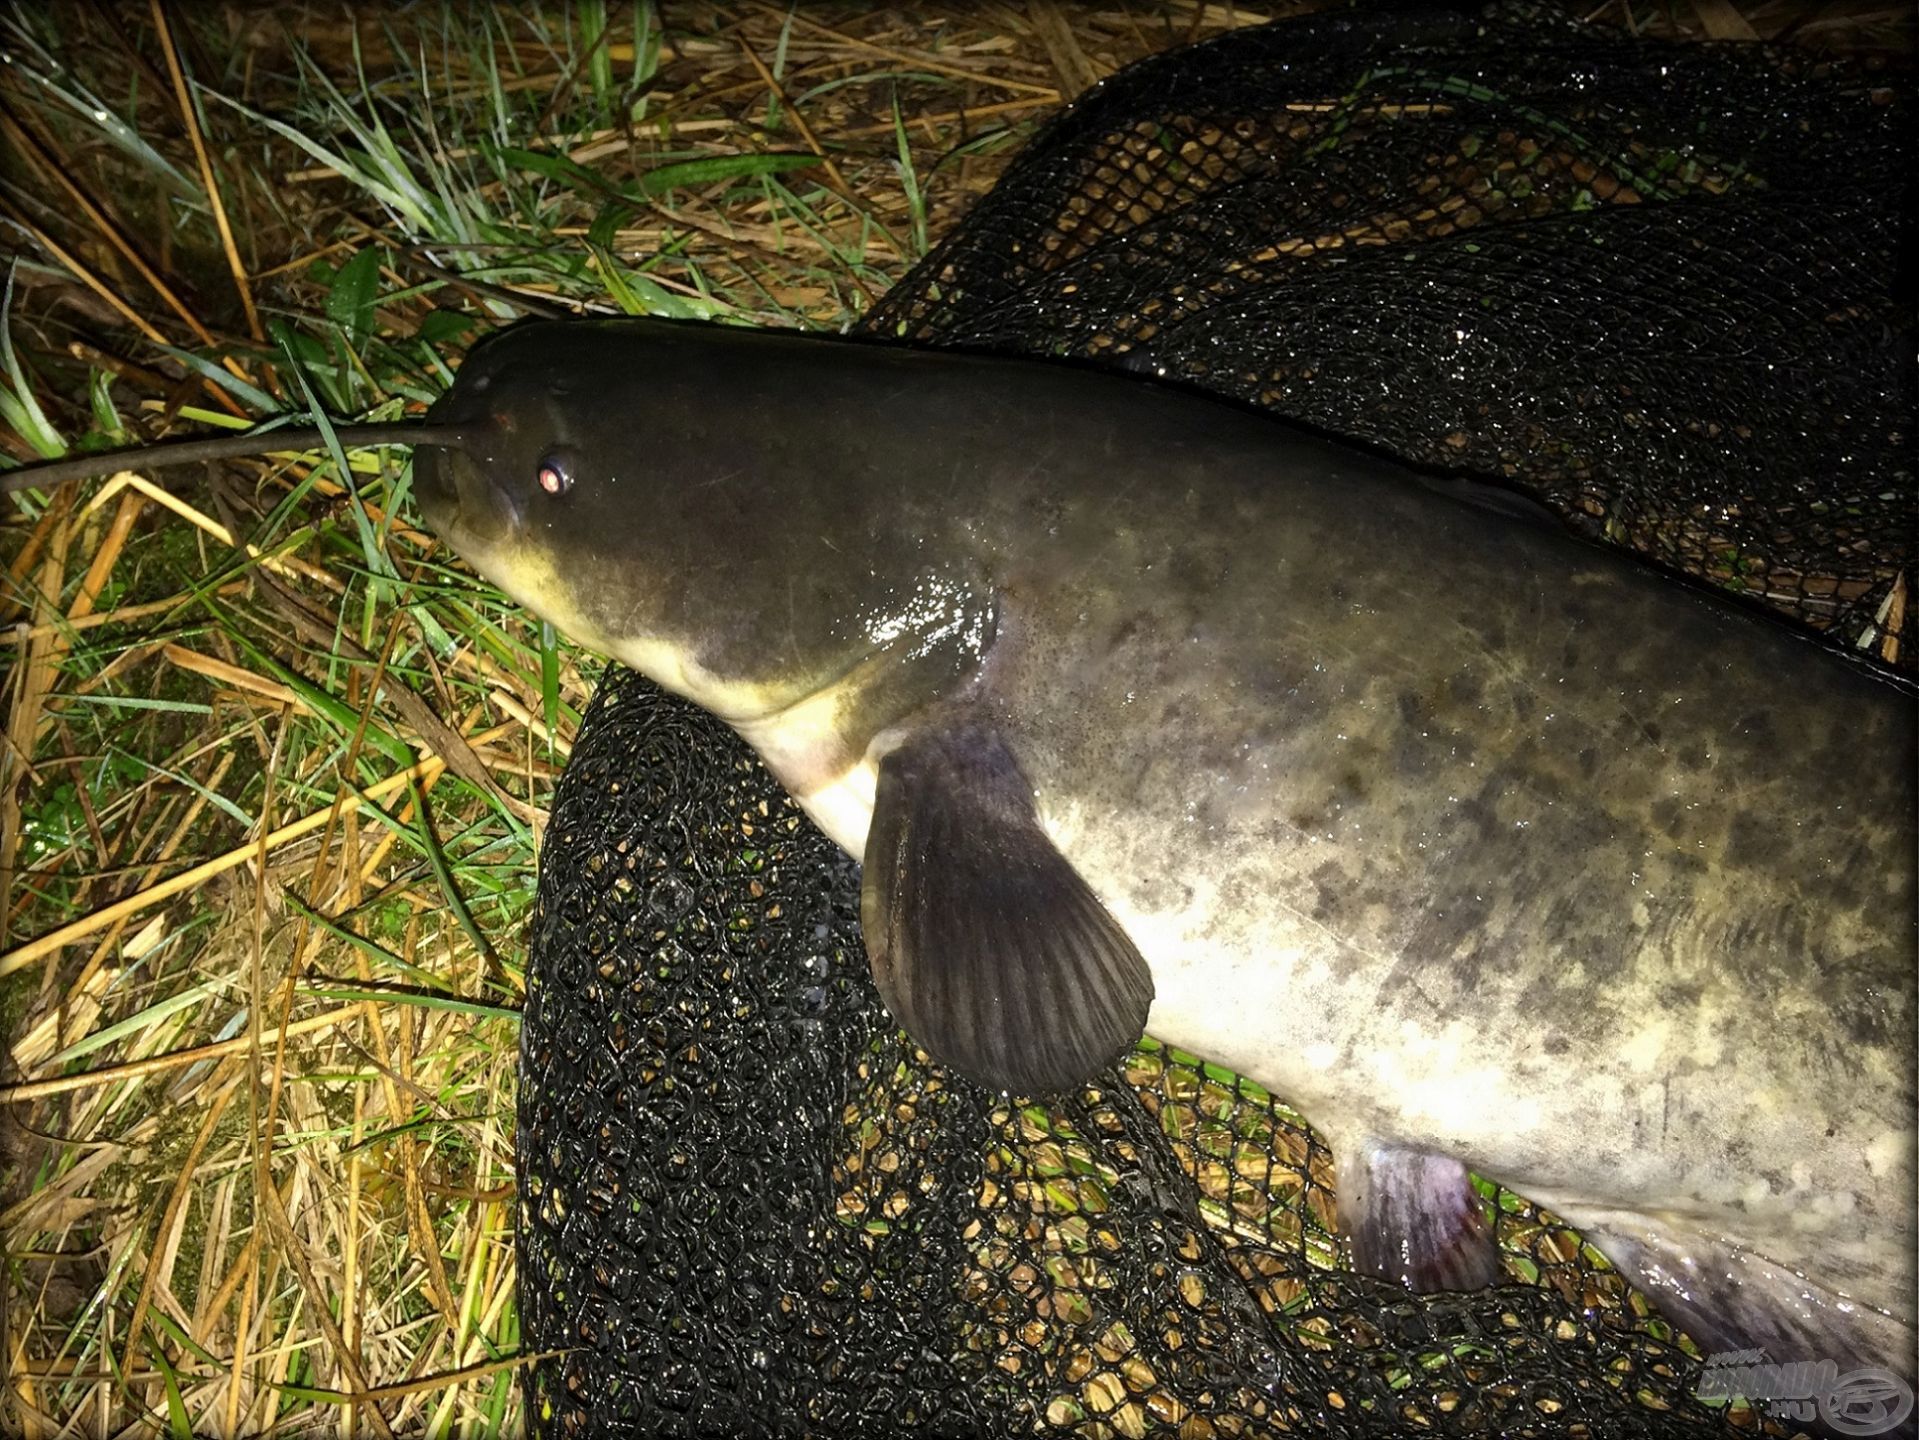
(1819, 1355)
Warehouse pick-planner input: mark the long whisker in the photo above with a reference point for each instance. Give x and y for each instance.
(291, 440)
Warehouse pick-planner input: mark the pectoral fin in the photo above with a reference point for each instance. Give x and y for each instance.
(1414, 1217)
(986, 944)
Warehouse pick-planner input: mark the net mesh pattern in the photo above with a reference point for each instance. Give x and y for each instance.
(751, 1207)
(1650, 285)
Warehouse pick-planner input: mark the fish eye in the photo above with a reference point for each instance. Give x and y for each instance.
(556, 472)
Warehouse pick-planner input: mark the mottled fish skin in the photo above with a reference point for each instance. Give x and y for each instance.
(1452, 830)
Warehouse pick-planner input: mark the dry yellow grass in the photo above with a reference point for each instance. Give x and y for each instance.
(238, 1197)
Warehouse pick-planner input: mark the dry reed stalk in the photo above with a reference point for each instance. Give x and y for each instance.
(23, 955)
(190, 116)
(57, 169)
(285, 1203)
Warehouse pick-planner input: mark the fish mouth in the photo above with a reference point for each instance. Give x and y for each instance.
(459, 503)
(450, 485)
(433, 491)
(434, 488)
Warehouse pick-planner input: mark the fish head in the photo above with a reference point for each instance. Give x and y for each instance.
(679, 498)
(540, 482)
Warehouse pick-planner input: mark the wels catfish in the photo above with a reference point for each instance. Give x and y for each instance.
(1486, 848)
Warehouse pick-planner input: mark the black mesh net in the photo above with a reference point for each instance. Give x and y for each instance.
(1652, 285)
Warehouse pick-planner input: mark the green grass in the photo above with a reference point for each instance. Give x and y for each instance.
(268, 1176)
(262, 1170)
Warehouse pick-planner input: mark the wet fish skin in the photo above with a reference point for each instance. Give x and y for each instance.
(1467, 838)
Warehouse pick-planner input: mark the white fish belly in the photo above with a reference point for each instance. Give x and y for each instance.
(1247, 979)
